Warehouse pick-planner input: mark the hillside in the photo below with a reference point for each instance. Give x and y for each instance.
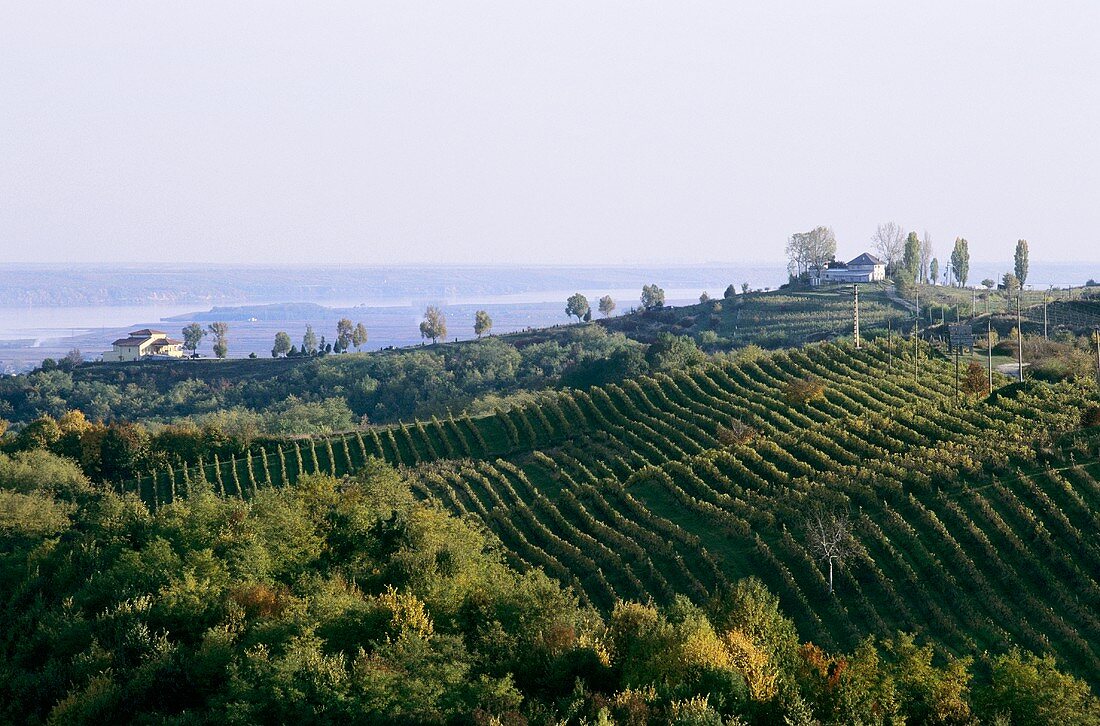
(973, 523)
(420, 381)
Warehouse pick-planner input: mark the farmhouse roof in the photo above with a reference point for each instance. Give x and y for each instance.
(132, 340)
(866, 259)
(146, 332)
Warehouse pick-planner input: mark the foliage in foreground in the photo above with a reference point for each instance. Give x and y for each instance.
(349, 601)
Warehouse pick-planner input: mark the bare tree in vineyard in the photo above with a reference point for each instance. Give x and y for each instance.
(829, 537)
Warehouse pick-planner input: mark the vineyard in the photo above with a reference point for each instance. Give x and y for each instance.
(974, 523)
(775, 319)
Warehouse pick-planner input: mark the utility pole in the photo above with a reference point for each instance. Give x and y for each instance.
(1046, 301)
(856, 288)
(1097, 336)
(957, 351)
(989, 352)
(890, 345)
(1019, 339)
(916, 351)
(973, 302)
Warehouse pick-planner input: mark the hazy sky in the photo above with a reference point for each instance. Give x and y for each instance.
(368, 132)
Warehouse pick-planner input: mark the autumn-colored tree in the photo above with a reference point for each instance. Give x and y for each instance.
(976, 381)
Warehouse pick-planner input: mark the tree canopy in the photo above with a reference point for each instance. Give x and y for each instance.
(653, 297)
(482, 323)
(810, 250)
(434, 325)
(1021, 261)
(192, 336)
(282, 344)
(577, 306)
(960, 261)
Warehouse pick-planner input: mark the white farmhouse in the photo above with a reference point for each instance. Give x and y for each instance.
(144, 343)
(865, 268)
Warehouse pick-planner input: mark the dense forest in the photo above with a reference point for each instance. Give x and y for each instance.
(350, 601)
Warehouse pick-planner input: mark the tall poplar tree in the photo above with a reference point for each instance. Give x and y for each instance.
(960, 261)
(1021, 261)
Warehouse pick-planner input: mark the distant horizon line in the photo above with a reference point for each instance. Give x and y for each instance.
(575, 265)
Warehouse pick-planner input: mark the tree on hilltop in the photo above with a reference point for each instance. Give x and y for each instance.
(192, 336)
(1021, 261)
(309, 341)
(926, 253)
(359, 336)
(730, 293)
(434, 325)
(889, 242)
(653, 297)
(344, 329)
(810, 250)
(220, 331)
(909, 269)
(282, 345)
(960, 261)
(482, 323)
(577, 306)
(607, 305)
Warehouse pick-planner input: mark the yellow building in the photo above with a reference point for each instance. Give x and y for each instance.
(144, 343)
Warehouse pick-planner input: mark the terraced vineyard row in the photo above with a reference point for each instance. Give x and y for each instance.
(951, 537)
(634, 490)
